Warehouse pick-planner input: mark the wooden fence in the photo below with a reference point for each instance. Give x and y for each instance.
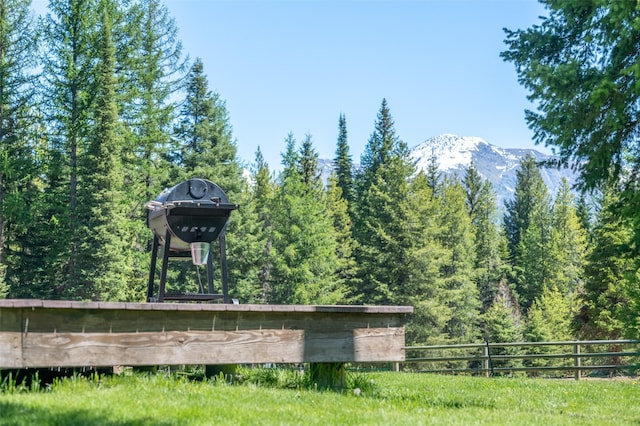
(534, 358)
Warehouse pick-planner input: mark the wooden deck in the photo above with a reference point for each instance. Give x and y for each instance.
(39, 333)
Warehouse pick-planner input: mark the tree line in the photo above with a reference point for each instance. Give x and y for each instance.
(100, 110)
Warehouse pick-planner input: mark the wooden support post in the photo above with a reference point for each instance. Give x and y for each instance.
(485, 360)
(577, 360)
(327, 375)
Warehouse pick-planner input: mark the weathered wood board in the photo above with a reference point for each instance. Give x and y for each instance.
(36, 333)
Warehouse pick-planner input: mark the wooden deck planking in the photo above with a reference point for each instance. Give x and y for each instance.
(74, 334)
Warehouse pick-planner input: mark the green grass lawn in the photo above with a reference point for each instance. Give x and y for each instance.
(384, 399)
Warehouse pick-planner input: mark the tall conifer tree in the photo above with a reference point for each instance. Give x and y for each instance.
(382, 215)
(17, 161)
(481, 204)
(528, 229)
(343, 163)
(457, 268)
(569, 243)
(69, 73)
(303, 253)
(610, 275)
(102, 263)
(206, 148)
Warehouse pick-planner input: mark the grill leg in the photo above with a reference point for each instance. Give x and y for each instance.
(210, 272)
(152, 268)
(223, 268)
(165, 264)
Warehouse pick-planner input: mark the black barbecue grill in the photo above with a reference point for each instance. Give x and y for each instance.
(185, 219)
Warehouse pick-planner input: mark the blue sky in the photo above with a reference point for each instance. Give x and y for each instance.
(295, 66)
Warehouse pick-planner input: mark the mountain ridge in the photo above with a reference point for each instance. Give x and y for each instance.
(498, 165)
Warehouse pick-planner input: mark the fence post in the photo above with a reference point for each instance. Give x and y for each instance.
(485, 360)
(577, 360)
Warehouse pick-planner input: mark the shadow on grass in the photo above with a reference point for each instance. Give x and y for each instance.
(16, 414)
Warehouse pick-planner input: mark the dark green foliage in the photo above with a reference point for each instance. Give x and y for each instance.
(458, 264)
(101, 257)
(490, 268)
(18, 162)
(343, 163)
(381, 224)
(205, 144)
(502, 323)
(568, 243)
(610, 309)
(302, 255)
(70, 74)
(580, 66)
(528, 229)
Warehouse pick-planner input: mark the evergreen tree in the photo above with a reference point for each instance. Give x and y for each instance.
(457, 268)
(303, 252)
(434, 176)
(549, 320)
(308, 169)
(382, 216)
(262, 194)
(425, 290)
(528, 229)
(157, 69)
(70, 74)
(151, 67)
(338, 208)
(569, 243)
(245, 246)
(18, 174)
(343, 163)
(481, 205)
(206, 148)
(101, 260)
(502, 323)
(610, 275)
(583, 211)
(580, 67)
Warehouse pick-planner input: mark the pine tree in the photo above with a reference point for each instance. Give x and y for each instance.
(308, 168)
(481, 205)
(610, 274)
(528, 229)
(502, 323)
(569, 243)
(245, 248)
(18, 174)
(101, 261)
(382, 216)
(549, 320)
(580, 67)
(343, 163)
(338, 208)
(262, 194)
(457, 268)
(425, 290)
(206, 148)
(434, 176)
(157, 68)
(70, 73)
(303, 252)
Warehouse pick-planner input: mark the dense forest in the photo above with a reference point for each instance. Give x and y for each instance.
(100, 110)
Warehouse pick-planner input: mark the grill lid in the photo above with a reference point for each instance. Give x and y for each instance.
(193, 211)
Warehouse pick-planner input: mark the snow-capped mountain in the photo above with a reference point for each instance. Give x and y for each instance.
(498, 165)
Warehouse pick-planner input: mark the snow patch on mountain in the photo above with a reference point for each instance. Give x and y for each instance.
(455, 153)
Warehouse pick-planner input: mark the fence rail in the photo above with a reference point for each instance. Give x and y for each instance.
(534, 358)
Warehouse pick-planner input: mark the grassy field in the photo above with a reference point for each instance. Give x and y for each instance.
(372, 399)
